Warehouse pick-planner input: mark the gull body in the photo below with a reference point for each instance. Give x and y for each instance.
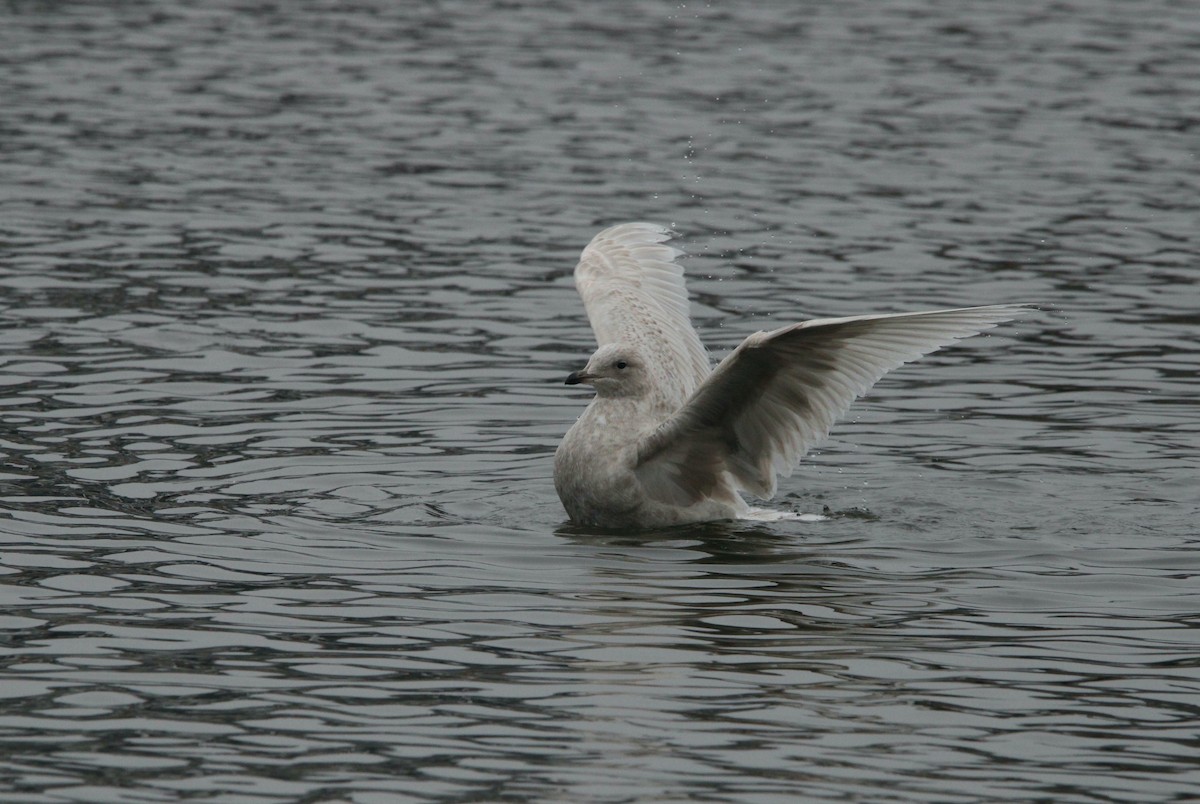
(668, 440)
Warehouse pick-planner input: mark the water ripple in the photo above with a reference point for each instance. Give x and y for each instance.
(288, 308)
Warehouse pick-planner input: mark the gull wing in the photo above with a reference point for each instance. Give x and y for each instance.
(635, 295)
(779, 393)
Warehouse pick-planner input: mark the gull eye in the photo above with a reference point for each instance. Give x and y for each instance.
(622, 364)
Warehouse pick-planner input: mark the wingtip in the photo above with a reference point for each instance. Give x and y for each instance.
(1022, 308)
(1014, 310)
(638, 230)
(637, 234)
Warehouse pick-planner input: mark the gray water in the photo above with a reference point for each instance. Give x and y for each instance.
(287, 309)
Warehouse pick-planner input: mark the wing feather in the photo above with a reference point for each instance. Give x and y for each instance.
(780, 392)
(634, 294)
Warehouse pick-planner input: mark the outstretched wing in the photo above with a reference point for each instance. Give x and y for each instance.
(780, 392)
(634, 294)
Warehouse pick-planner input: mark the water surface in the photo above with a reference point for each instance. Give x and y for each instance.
(287, 307)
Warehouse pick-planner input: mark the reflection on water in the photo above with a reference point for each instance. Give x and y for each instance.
(287, 310)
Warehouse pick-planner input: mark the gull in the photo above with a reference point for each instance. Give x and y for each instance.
(669, 440)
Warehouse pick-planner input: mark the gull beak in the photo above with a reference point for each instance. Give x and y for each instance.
(577, 377)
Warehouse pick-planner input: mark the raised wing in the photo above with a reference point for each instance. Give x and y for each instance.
(780, 392)
(634, 294)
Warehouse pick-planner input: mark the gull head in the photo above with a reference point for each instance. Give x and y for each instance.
(614, 370)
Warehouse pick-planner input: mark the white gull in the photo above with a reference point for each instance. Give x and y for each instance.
(667, 439)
